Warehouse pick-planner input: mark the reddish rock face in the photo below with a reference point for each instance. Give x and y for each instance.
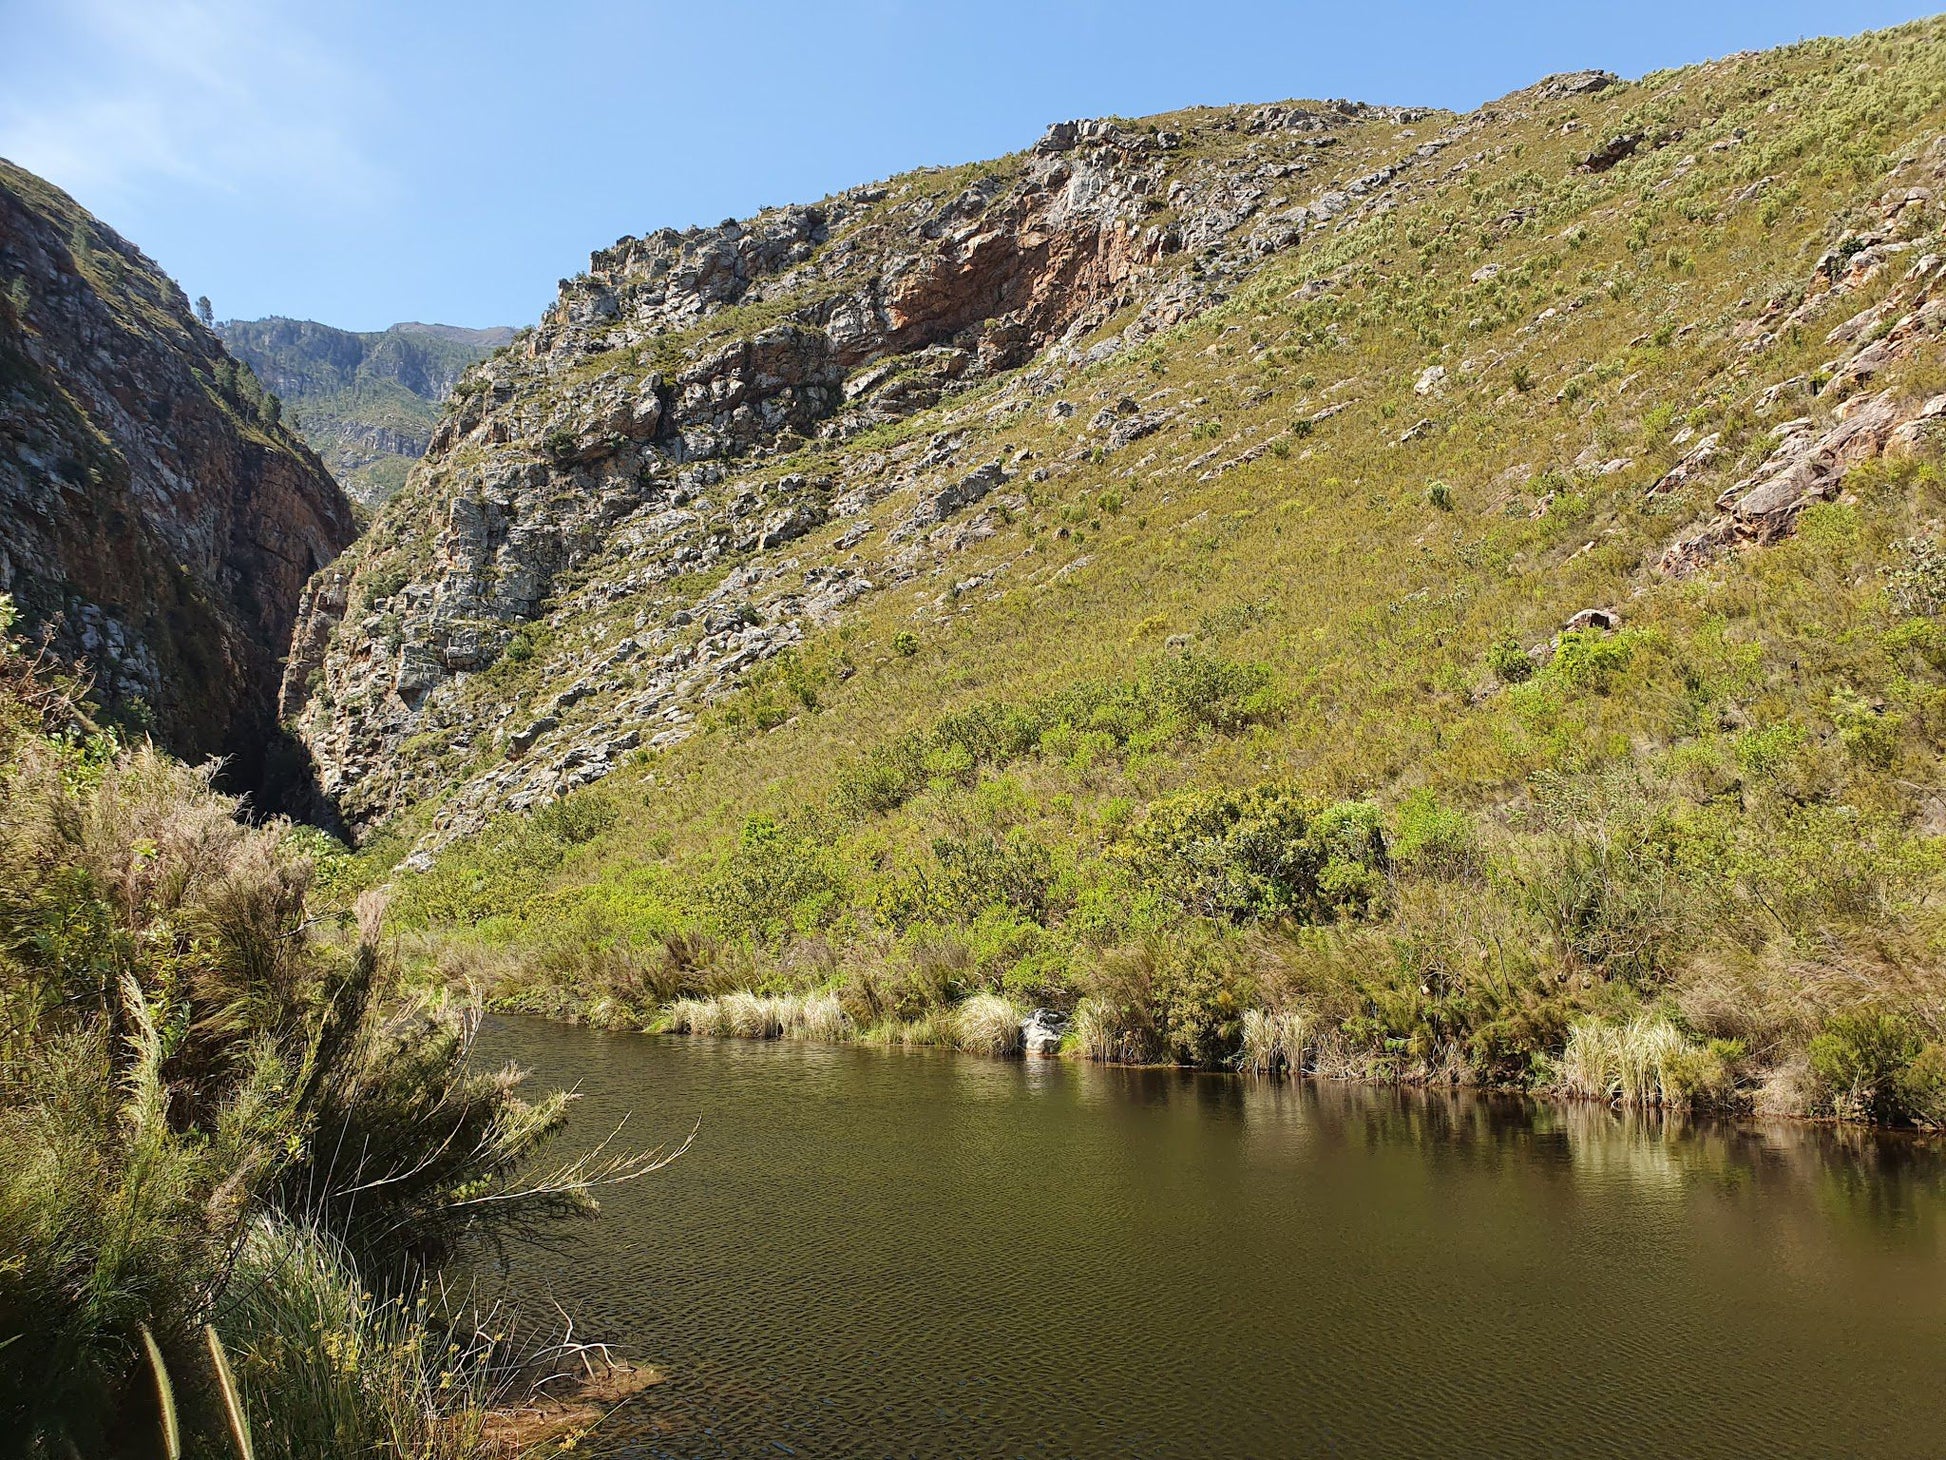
(157, 522)
(621, 455)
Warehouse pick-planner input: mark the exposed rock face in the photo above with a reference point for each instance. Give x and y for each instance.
(366, 402)
(584, 483)
(156, 523)
(1813, 453)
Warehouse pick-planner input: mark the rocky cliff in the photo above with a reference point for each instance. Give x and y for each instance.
(157, 522)
(620, 497)
(915, 402)
(366, 402)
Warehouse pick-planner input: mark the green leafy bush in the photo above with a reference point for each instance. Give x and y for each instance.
(1264, 853)
(1509, 662)
(779, 879)
(1877, 1065)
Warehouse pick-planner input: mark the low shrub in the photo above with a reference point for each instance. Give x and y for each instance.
(1264, 853)
(1877, 1065)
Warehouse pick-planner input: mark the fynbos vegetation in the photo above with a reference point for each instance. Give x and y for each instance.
(232, 1149)
(1496, 641)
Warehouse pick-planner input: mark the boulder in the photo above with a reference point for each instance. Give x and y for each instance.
(1041, 1032)
(1605, 619)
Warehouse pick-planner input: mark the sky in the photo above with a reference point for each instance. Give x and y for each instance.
(363, 162)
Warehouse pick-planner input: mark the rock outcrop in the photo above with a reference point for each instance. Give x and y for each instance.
(157, 522)
(1855, 423)
(618, 496)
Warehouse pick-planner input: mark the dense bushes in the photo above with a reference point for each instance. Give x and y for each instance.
(194, 1089)
(1258, 854)
(1877, 1064)
(1177, 695)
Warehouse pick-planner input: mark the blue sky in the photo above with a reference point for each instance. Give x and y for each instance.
(366, 161)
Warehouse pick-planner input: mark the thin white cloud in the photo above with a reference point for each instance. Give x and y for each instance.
(114, 98)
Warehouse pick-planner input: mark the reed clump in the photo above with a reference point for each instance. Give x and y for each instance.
(1646, 1062)
(1274, 1042)
(744, 1014)
(220, 1133)
(988, 1024)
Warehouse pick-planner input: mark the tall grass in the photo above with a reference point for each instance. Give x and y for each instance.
(211, 1116)
(1274, 1042)
(1646, 1061)
(742, 1014)
(988, 1024)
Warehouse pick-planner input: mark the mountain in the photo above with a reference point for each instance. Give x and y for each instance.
(1368, 589)
(367, 403)
(157, 518)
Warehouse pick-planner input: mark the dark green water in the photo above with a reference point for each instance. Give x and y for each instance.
(876, 1253)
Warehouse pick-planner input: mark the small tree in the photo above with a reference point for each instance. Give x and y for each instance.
(204, 312)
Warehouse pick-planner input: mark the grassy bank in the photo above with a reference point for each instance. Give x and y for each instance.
(1284, 735)
(234, 1151)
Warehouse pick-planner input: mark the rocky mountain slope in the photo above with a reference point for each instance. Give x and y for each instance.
(698, 403)
(1363, 590)
(156, 520)
(366, 402)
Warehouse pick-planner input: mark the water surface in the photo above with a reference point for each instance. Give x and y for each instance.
(872, 1252)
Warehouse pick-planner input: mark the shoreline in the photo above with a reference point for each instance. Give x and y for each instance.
(1542, 1096)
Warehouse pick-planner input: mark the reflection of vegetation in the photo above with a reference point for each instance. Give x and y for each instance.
(227, 1144)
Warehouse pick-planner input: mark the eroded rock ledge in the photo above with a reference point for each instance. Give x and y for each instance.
(621, 491)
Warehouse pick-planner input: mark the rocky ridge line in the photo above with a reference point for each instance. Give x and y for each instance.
(614, 480)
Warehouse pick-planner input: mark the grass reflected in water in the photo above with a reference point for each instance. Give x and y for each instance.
(909, 1252)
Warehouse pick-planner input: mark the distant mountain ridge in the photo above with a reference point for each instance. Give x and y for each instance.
(366, 401)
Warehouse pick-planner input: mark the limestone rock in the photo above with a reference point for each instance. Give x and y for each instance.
(1041, 1032)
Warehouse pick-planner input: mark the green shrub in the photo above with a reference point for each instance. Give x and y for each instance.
(779, 879)
(1434, 839)
(1263, 853)
(182, 1067)
(1509, 662)
(1589, 660)
(1176, 697)
(1877, 1065)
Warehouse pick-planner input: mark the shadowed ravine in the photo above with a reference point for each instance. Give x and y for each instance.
(878, 1253)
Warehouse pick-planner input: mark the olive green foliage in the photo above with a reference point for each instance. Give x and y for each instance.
(1264, 853)
(189, 1080)
(1178, 697)
(1879, 1065)
(1284, 749)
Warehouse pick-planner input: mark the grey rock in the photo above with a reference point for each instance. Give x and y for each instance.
(1041, 1032)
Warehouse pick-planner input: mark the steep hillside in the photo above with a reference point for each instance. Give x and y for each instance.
(367, 403)
(156, 520)
(1377, 591)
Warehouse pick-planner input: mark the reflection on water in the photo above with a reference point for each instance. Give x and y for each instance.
(870, 1252)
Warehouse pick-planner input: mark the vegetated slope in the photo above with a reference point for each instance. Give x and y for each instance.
(156, 520)
(1456, 601)
(366, 402)
(223, 1130)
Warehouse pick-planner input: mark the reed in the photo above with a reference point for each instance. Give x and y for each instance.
(752, 1016)
(1100, 1034)
(988, 1024)
(821, 1018)
(744, 1014)
(1274, 1042)
(1633, 1064)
